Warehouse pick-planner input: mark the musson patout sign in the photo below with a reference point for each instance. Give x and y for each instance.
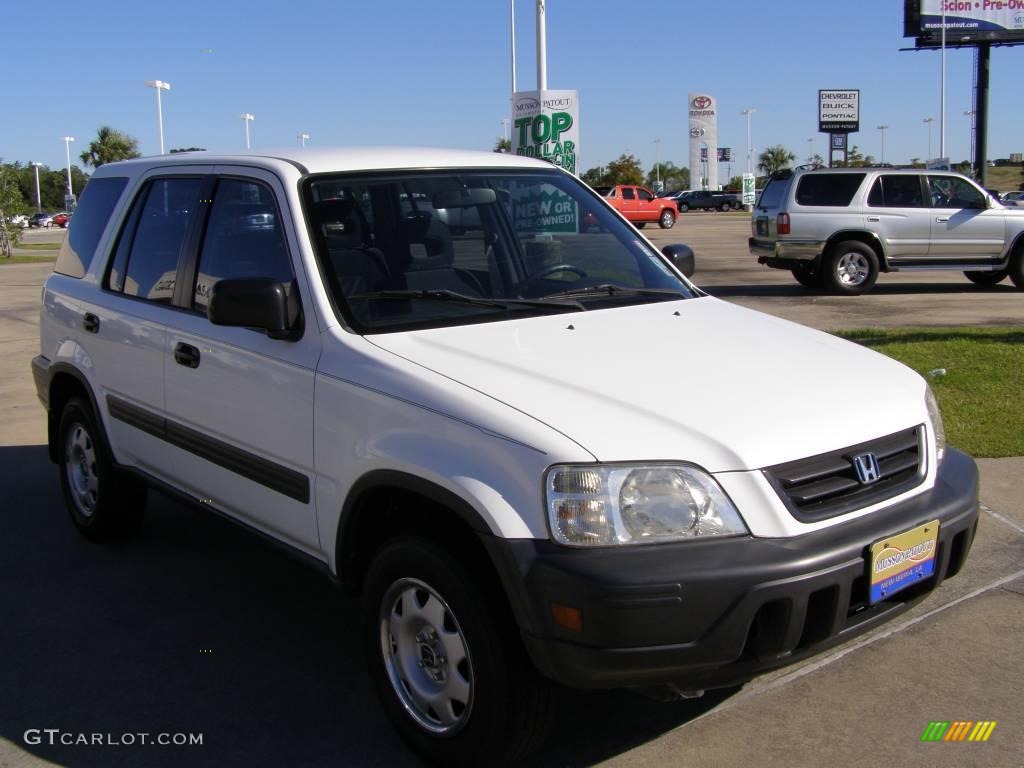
(547, 126)
(839, 111)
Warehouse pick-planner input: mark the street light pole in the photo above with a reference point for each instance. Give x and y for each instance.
(748, 112)
(247, 118)
(657, 162)
(159, 85)
(67, 149)
(302, 138)
(810, 150)
(970, 113)
(882, 129)
(542, 48)
(506, 130)
(929, 120)
(39, 199)
(512, 35)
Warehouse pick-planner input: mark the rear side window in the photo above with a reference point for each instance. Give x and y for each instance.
(160, 227)
(627, 193)
(98, 200)
(243, 239)
(893, 191)
(828, 189)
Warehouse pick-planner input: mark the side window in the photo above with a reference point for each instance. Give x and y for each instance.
(897, 191)
(828, 189)
(644, 194)
(161, 220)
(952, 192)
(244, 238)
(98, 200)
(628, 194)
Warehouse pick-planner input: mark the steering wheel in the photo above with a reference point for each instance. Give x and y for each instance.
(554, 269)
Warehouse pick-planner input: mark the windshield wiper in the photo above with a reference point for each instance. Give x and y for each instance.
(611, 289)
(461, 298)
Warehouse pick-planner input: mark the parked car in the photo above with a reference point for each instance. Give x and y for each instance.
(41, 220)
(639, 205)
(60, 219)
(706, 200)
(839, 228)
(500, 440)
(18, 220)
(1015, 199)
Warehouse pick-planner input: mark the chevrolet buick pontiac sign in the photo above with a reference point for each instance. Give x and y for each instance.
(839, 111)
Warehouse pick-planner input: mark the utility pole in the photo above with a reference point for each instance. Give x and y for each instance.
(882, 129)
(748, 112)
(542, 48)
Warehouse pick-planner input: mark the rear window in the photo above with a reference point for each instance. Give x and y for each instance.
(771, 196)
(98, 200)
(828, 189)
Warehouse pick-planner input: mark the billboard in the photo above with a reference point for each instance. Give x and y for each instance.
(967, 21)
(839, 111)
(547, 125)
(703, 138)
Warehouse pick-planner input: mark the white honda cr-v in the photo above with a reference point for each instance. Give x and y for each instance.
(537, 450)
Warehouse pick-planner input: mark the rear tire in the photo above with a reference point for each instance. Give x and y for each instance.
(639, 224)
(667, 219)
(103, 503)
(724, 207)
(808, 277)
(987, 278)
(421, 609)
(683, 207)
(850, 268)
(1016, 266)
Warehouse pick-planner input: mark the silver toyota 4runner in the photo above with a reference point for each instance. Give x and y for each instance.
(838, 228)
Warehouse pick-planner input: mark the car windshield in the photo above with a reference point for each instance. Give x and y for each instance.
(420, 250)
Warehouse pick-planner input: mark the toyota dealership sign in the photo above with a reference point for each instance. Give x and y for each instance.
(839, 111)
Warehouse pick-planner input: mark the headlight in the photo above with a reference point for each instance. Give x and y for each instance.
(595, 505)
(935, 415)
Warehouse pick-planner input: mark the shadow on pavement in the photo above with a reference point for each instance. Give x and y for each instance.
(796, 290)
(196, 626)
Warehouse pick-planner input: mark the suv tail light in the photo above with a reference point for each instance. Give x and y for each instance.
(782, 223)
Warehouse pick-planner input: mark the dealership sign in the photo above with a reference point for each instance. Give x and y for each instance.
(839, 111)
(546, 124)
(704, 137)
(966, 21)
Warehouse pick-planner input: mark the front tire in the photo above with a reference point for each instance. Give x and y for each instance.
(446, 659)
(1016, 267)
(724, 207)
(103, 504)
(683, 207)
(850, 268)
(987, 278)
(667, 219)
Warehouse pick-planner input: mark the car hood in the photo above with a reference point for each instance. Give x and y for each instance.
(696, 380)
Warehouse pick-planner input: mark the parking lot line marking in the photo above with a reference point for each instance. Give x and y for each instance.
(1001, 518)
(855, 646)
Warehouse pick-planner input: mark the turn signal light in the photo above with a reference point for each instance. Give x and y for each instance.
(783, 224)
(567, 616)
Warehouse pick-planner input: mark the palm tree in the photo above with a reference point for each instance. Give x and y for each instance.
(502, 145)
(775, 159)
(109, 146)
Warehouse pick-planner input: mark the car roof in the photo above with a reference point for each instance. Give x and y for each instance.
(334, 159)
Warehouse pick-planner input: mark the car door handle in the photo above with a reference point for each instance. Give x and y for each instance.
(91, 323)
(873, 218)
(942, 219)
(186, 354)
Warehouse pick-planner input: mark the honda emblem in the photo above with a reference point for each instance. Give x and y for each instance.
(866, 465)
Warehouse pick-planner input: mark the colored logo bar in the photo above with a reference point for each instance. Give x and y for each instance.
(958, 730)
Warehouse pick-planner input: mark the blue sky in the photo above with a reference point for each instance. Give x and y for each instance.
(437, 74)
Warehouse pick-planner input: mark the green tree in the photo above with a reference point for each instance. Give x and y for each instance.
(502, 145)
(625, 170)
(855, 159)
(596, 176)
(775, 158)
(109, 146)
(736, 182)
(672, 176)
(915, 162)
(11, 200)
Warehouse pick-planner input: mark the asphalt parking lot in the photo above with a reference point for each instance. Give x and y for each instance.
(196, 626)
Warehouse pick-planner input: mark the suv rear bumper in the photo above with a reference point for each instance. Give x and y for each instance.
(785, 254)
(697, 615)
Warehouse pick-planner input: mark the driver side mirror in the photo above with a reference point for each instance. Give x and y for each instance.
(254, 302)
(681, 255)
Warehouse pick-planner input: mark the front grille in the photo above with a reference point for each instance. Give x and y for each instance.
(827, 485)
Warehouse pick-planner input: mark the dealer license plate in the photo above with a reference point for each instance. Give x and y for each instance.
(900, 561)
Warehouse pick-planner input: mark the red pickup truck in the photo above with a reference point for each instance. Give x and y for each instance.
(639, 205)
